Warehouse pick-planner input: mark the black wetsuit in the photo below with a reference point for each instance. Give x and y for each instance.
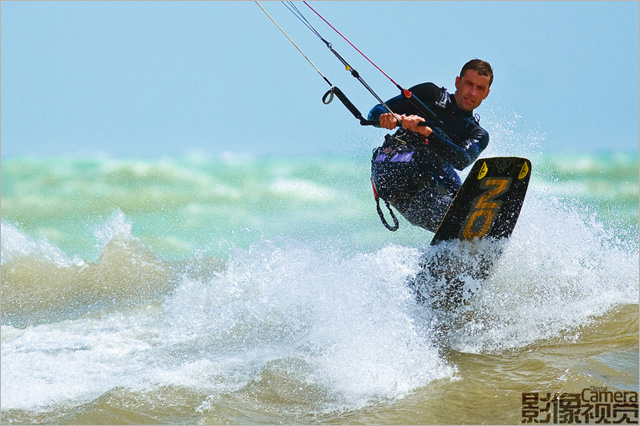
(419, 179)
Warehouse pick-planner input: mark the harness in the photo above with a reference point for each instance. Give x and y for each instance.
(398, 170)
(403, 165)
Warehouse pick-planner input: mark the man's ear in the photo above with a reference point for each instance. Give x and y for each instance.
(457, 81)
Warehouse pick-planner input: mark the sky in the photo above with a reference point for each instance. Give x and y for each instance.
(167, 78)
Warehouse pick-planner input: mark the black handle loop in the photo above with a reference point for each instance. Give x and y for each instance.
(329, 95)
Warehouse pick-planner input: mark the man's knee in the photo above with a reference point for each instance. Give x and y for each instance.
(424, 210)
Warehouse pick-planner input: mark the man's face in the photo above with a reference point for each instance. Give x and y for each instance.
(471, 89)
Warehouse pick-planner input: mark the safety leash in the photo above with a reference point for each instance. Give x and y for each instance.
(334, 90)
(396, 225)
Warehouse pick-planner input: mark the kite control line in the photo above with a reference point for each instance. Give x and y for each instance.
(432, 119)
(334, 90)
(405, 92)
(293, 9)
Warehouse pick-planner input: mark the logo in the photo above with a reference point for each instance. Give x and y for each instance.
(523, 171)
(594, 405)
(483, 170)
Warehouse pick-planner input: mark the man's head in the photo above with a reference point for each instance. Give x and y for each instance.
(473, 84)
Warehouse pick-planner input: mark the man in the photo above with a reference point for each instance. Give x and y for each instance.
(414, 169)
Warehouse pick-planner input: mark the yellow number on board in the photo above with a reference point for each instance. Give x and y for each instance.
(485, 207)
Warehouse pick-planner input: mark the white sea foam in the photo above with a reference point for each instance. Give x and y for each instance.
(558, 271)
(17, 244)
(301, 189)
(350, 320)
(334, 317)
(347, 324)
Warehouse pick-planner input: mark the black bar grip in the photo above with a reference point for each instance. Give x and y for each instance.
(364, 122)
(346, 102)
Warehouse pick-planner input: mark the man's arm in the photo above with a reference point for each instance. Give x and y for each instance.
(396, 104)
(426, 92)
(460, 156)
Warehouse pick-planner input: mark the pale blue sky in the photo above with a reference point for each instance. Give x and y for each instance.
(165, 78)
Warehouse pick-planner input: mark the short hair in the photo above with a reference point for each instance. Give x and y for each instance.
(479, 66)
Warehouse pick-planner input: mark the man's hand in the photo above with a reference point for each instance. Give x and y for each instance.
(411, 123)
(389, 121)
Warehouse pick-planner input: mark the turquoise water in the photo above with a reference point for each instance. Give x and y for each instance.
(243, 289)
(179, 206)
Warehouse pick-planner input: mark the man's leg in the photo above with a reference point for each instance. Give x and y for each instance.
(425, 209)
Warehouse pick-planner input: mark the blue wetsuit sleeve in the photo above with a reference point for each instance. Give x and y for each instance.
(426, 92)
(459, 156)
(379, 109)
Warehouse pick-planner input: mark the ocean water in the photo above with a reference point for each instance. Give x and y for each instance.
(238, 289)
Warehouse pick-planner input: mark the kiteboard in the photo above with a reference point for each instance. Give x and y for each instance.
(486, 206)
(489, 201)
